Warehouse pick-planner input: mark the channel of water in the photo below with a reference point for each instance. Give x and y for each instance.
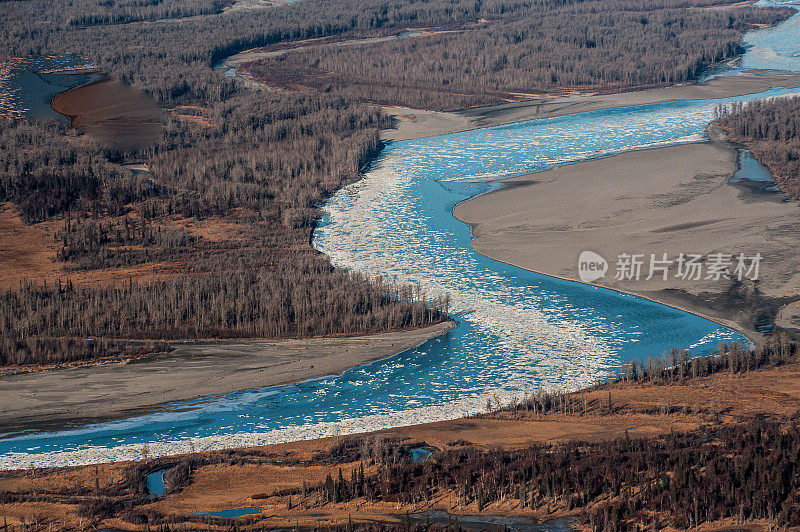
(517, 330)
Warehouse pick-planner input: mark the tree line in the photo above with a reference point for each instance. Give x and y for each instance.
(45, 324)
(590, 45)
(770, 129)
(101, 12)
(742, 472)
(280, 302)
(674, 367)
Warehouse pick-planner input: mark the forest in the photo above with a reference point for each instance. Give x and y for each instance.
(253, 161)
(770, 129)
(259, 162)
(171, 59)
(678, 480)
(591, 45)
(252, 170)
(127, 11)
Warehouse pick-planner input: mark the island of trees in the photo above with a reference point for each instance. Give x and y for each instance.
(770, 129)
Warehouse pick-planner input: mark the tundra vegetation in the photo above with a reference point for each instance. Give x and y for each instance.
(770, 129)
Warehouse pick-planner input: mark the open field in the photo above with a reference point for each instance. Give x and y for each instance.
(25, 251)
(31, 252)
(79, 394)
(668, 200)
(415, 123)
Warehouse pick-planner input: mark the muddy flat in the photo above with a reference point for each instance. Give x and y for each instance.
(57, 398)
(112, 113)
(412, 123)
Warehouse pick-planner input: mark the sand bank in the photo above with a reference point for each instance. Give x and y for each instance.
(413, 123)
(668, 200)
(112, 113)
(77, 395)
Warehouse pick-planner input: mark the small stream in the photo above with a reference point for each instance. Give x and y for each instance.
(236, 512)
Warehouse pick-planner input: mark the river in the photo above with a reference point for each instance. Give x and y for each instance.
(517, 330)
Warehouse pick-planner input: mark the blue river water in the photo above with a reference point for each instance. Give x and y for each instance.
(517, 330)
(776, 48)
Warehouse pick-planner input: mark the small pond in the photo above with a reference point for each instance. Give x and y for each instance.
(155, 484)
(236, 512)
(754, 174)
(420, 454)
